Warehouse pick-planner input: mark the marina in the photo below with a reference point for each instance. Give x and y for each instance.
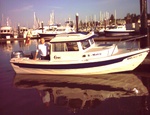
(122, 93)
(94, 93)
(75, 57)
(58, 93)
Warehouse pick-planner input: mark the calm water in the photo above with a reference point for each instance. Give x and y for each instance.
(113, 94)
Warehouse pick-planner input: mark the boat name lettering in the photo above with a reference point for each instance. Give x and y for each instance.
(134, 56)
(55, 57)
(96, 54)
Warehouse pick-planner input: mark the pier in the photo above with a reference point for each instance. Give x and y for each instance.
(97, 38)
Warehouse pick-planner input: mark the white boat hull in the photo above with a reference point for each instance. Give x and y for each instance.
(111, 64)
(119, 33)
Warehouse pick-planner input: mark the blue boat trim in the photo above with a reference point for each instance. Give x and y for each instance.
(69, 66)
(72, 66)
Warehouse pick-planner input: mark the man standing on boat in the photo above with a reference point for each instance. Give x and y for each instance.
(42, 49)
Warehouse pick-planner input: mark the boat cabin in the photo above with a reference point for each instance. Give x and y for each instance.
(23, 29)
(75, 47)
(6, 30)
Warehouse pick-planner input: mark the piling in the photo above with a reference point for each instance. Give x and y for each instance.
(42, 26)
(148, 35)
(144, 42)
(18, 30)
(77, 21)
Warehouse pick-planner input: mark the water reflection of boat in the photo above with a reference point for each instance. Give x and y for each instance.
(7, 47)
(82, 92)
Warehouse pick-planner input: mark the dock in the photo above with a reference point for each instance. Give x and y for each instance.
(97, 38)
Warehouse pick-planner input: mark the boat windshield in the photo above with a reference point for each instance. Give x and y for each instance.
(64, 47)
(92, 41)
(51, 29)
(60, 30)
(85, 44)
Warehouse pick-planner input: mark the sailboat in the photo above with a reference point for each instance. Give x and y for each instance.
(6, 31)
(55, 29)
(36, 27)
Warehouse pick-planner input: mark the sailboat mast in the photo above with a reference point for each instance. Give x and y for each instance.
(115, 17)
(2, 21)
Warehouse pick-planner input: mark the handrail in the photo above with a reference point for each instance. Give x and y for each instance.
(132, 38)
(135, 37)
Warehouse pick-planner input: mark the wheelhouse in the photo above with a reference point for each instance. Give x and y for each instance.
(69, 46)
(23, 29)
(6, 30)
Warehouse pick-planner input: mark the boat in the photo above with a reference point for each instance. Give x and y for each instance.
(35, 32)
(57, 30)
(23, 31)
(6, 32)
(101, 31)
(78, 54)
(119, 30)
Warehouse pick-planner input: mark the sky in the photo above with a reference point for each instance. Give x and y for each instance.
(22, 11)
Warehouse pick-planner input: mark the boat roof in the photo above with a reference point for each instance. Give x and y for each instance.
(23, 27)
(71, 37)
(5, 28)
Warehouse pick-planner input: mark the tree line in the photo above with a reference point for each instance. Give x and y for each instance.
(129, 18)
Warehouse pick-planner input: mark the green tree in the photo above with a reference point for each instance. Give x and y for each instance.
(112, 19)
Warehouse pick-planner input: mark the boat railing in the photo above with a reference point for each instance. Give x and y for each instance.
(132, 38)
(135, 38)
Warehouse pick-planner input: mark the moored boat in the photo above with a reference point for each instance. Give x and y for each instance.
(6, 31)
(23, 31)
(119, 30)
(78, 54)
(55, 31)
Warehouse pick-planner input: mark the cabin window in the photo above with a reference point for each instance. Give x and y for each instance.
(50, 30)
(92, 41)
(59, 47)
(85, 44)
(54, 29)
(72, 46)
(60, 29)
(64, 47)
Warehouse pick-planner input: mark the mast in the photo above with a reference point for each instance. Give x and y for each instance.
(52, 18)
(8, 22)
(115, 17)
(2, 21)
(36, 24)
